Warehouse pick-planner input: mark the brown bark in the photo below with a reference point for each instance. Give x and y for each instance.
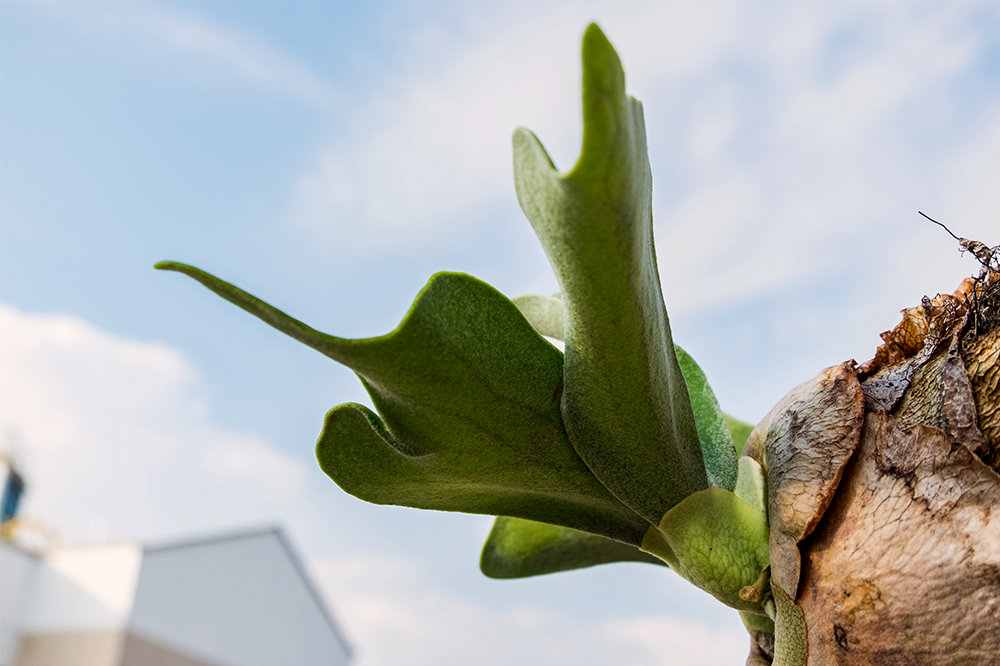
(900, 544)
(905, 568)
(983, 365)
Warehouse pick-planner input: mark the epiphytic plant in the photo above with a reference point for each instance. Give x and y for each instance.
(616, 449)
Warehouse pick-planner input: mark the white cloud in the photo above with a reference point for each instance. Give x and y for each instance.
(121, 436)
(118, 440)
(791, 146)
(117, 434)
(150, 28)
(782, 136)
(397, 615)
(840, 163)
(433, 151)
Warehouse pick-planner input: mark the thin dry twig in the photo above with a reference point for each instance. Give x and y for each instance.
(984, 296)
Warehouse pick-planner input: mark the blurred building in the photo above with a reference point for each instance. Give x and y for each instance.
(236, 600)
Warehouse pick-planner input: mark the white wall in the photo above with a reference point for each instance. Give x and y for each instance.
(107, 572)
(240, 600)
(86, 588)
(18, 571)
(90, 588)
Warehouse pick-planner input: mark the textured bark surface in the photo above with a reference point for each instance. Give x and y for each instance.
(897, 557)
(905, 567)
(982, 362)
(891, 549)
(757, 656)
(804, 443)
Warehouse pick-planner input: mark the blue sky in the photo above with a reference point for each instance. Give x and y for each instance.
(330, 156)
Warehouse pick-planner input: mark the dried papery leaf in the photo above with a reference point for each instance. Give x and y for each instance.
(786, 559)
(940, 396)
(884, 390)
(982, 363)
(947, 312)
(905, 567)
(942, 318)
(921, 403)
(984, 299)
(936, 317)
(984, 253)
(758, 657)
(983, 296)
(965, 289)
(902, 342)
(909, 334)
(958, 406)
(806, 440)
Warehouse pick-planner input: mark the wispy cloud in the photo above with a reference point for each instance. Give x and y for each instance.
(399, 616)
(146, 28)
(813, 144)
(432, 152)
(791, 146)
(434, 149)
(782, 137)
(118, 440)
(119, 433)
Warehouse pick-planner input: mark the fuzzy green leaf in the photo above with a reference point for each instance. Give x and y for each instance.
(755, 621)
(716, 441)
(739, 431)
(544, 313)
(468, 395)
(791, 647)
(519, 548)
(625, 405)
(751, 485)
(716, 541)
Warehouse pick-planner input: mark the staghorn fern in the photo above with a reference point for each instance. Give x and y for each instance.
(615, 450)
